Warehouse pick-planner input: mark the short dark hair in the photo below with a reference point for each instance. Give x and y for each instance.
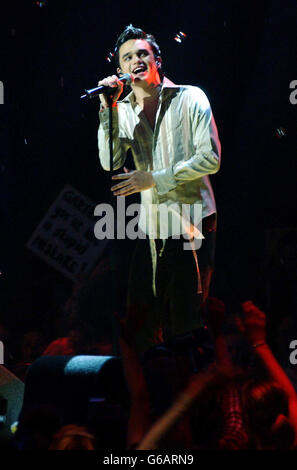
(130, 32)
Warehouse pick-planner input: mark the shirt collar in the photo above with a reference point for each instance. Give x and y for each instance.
(165, 84)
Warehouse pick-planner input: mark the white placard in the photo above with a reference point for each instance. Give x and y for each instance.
(65, 236)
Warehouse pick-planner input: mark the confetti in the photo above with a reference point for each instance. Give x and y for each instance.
(180, 37)
(280, 133)
(110, 56)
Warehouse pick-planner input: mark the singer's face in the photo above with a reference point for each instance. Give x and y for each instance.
(137, 58)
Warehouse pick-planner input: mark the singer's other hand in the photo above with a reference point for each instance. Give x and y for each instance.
(112, 82)
(135, 181)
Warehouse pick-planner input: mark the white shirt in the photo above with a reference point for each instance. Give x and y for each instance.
(180, 152)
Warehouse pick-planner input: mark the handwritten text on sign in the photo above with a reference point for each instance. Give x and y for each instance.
(65, 236)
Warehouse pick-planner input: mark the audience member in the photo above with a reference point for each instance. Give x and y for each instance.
(230, 404)
(73, 437)
(280, 421)
(31, 347)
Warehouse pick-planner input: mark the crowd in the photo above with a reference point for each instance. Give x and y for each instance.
(219, 388)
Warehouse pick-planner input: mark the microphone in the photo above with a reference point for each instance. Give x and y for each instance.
(126, 77)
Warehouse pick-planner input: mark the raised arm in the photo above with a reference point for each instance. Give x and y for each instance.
(139, 418)
(176, 412)
(119, 144)
(255, 328)
(214, 312)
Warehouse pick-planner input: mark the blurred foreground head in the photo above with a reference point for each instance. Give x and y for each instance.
(73, 437)
(265, 406)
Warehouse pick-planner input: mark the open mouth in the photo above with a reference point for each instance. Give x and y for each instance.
(138, 70)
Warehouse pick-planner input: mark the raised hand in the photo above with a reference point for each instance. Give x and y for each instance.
(214, 311)
(112, 82)
(255, 323)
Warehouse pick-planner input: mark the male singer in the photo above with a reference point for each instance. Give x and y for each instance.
(174, 141)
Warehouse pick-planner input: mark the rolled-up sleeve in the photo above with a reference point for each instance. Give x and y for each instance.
(206, 144)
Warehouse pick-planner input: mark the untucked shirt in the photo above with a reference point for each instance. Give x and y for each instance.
(181, 151)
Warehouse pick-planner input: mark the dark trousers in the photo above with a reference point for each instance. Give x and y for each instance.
(174, 310)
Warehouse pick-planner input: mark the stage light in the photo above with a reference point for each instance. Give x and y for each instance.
(41, 4)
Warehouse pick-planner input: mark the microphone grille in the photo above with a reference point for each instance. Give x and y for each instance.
(126, 78)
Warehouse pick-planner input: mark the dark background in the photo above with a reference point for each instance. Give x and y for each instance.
(242, 54)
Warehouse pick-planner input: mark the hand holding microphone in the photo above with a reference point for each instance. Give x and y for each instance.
(116, 88)
(109, 87)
